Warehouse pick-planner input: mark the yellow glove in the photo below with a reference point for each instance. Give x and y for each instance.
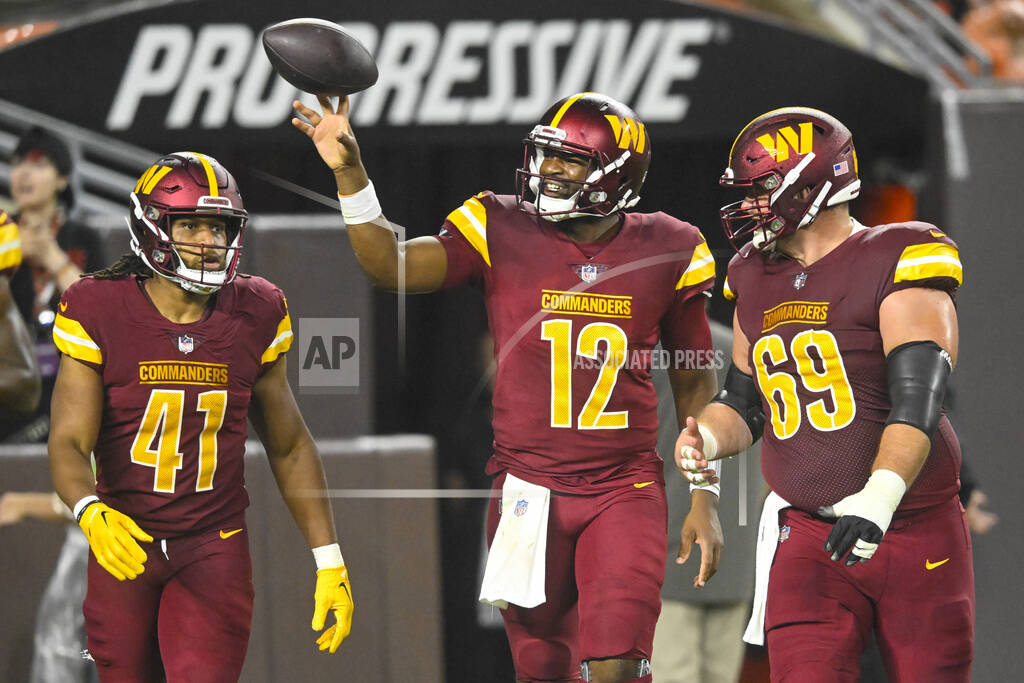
(332, 593)
(110, 537)
(10, 246)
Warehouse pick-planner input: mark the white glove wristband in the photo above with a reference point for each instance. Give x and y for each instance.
(361, 207)
(80, 506)
(883, 492)
(328, 556)
(710, 451)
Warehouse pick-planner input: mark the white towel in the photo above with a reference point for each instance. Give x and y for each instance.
(515, 562)
(767, 542)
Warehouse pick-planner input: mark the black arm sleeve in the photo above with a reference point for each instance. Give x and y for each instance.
(741, 395)
(917, 373)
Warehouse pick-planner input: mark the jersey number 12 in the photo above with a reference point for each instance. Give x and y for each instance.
(559, 333)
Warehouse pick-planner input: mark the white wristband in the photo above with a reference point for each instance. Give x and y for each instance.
(710, 451)
(328, 556)
(710, 442)
(361, 207)
(80, 505)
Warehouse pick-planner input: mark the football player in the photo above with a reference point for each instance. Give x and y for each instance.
(845, 336)
(19, 370)
(164, 356)
(578, 291)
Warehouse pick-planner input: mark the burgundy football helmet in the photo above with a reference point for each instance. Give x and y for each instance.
(605, 131)
(178, 185)
(798, 160)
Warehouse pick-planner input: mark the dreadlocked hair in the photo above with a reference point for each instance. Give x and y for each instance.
(129, 264)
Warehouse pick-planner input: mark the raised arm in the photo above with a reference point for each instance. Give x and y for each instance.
(370, 233)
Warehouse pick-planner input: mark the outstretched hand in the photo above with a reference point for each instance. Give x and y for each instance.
(690, 457)
(330, 132)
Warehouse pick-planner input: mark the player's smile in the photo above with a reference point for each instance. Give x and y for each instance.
(558, 189)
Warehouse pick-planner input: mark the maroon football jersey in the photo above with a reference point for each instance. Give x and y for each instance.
(817, 358)
(172, 437)
(574, 327)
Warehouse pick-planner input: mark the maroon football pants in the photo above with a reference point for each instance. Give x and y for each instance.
(604, 567)
(185, 618)
(917, 593)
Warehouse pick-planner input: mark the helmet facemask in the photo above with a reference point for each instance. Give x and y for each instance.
(597, 192)
(160, 251)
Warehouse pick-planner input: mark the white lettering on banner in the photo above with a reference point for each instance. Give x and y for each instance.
(406, 51)
(453, 66)
(552, 34)
(154, 68)
(670, 65)
(501, 73)
(217, 62)
(221, 75)
(622, 65)
(581, 58)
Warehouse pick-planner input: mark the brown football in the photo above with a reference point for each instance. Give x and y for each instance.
(319, 57)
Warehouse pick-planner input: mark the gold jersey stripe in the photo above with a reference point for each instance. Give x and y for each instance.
(72, 340)
(156, 178)
(211, 178)
(701, 268)
(565, 107)
(727, 291)
(471, 221)
(935, 259)
(282, 340)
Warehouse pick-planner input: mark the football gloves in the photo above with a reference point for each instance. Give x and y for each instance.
(863, 517)
(333, 593)
(110, 535)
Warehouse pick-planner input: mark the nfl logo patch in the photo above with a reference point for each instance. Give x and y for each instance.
(783, 533)
(799, 281)
(588, 272)
(520, 508)
(840, 168)
(186, 343)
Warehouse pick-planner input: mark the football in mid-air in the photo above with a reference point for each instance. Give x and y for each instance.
(319, 57)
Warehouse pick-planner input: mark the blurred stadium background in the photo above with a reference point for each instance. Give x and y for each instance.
(939, 127)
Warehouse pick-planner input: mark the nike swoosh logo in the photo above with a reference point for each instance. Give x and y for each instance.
(63, 306)
(928, 564)
(228, 534)
(640, 485)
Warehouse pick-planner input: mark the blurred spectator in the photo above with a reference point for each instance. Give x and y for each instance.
(55, 252)
(59, 637)
(997, 27)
